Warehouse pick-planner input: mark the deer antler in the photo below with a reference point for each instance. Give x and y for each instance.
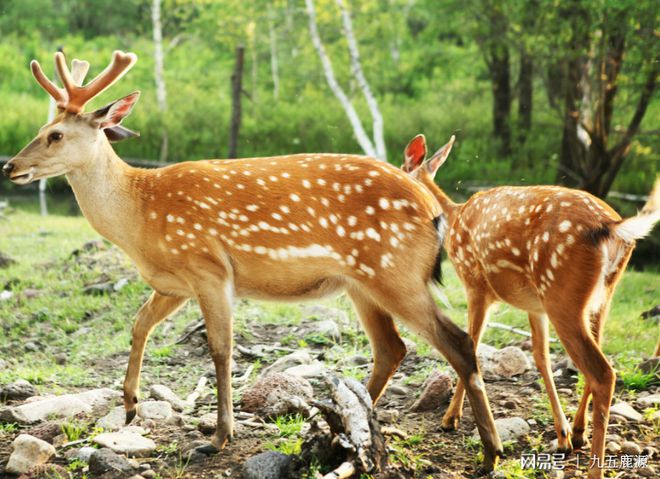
(73, 96)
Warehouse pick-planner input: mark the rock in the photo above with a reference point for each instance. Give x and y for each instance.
(149, 474)
(46, 431)
(65, 406)
(510, 404)
(105, 460)
(317, 312)
(28, 452)
(31, 347)
(278, 393)
(314, 370)
(652, 400)
(388, 416)
(6, 260)
(114, 420)
(6, 295)
(119, 285)
(647, 471)
(650, 451)
(631, 448)
(651, 366)
(436, 391)
(155, 410)
(129, 443)
(208, 422)
(61, 358)
(509, 428)
(85, 453)
(163, 393)
(290, 360)
(18, 391)
(398, 389)
(625, 410)
(510, 361)
(267, 465)
(99, 398)
(98, 289)
(355, 360)
(613, 447)
(327, 328)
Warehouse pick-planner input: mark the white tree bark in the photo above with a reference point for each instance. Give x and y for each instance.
(360, 134)
(356, 66)
(161, 92)
(274, 68)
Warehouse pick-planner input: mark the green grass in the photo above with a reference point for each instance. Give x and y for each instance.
(59, 319)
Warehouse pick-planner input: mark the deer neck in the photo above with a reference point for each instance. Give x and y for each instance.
(104, 189)
(449, 208)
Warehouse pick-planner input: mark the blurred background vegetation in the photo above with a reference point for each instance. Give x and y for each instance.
(540, 91)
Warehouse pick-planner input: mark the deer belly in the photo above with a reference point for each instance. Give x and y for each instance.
(514, 288)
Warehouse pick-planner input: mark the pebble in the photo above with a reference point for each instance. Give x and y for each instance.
(647, 471)
(290, 360)
(18, 391)
(613, 447)
(436, 391)
(129, 443)
(267, 465)
(629, 447)
(28, 452)
(398, 389)
(164, 393)
(388, 416)
(509, 428)
(105, 460)
(155, 410)
(625, 410)
(652, 400)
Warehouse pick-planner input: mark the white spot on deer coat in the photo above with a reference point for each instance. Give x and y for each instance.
(564, 226)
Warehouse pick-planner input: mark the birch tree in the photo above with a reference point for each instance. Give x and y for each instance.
(159, 76)
(371, 146)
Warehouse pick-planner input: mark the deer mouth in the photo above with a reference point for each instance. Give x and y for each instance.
(23, 178)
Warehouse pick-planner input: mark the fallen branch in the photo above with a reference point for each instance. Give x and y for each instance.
(193, 396)
(511, 329)
(185, 336)
(347, 469)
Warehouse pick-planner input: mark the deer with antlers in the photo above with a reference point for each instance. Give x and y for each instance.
(553, 252)
(281, 228)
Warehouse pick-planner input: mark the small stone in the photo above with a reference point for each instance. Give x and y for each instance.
(650, 451)
(436, 391)
(131, 444)
(106, 460)
(652, 400)
(625, 410)
(565, 391)
(314, 370)
(267, 465)
(631, 448)
(510, 361)
(651, 366)
(388, 416)
(85, 453)
(114, 420)
(509, 428)
(613, 447)
(28, 452)
(149, 474)
(158, 411)
(355, 360)
(647, 471)
(208, 422)
(119, 285)
(18, 391)
(163, 393)
(278, 393)
(61, 358)
(398, 389)
(510, 405)
(290, 360)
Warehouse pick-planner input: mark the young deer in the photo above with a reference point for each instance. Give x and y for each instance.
(553, 252)
(282, 228)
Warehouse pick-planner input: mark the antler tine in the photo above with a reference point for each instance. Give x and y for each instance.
(64, 73)
(79, 69)
(121, 63)
(58, 94)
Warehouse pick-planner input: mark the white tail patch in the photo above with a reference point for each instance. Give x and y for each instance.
(637, 227)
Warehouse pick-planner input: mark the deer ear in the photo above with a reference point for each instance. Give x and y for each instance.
(439, 157)
(112, 114)
(414, 154)
(119, 133)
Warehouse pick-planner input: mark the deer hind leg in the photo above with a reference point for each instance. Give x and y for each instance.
(153, 311)
(541, 351)
(215, 300)
(413, 304)
(599, 375)
(386, 344)
(478, 306)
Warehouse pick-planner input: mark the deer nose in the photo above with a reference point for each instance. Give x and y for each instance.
(7, 168)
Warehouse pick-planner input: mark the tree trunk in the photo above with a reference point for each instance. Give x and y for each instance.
(356, 67)
(360, 134)
(273, 54)
(525, 95)
(161, 92)
(501, 84)
(236, 91)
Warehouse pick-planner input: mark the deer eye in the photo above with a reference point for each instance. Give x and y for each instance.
(54, 136)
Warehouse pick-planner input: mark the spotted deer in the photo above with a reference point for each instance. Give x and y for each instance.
(281, 228)
(553, 252)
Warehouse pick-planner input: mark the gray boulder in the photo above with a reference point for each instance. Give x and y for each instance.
(28, 452)
(267, 465)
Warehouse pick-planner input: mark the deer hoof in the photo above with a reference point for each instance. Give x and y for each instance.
(207, 449)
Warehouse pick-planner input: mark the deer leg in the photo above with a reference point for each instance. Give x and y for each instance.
(386, 345)
(541, 351)
(215, 302)
(417, 309)
(478, 306)
(153, 311)
(599, 376)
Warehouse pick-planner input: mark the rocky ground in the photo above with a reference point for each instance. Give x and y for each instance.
(280, 373)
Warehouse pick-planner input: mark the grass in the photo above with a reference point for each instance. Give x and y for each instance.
(49, 310)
